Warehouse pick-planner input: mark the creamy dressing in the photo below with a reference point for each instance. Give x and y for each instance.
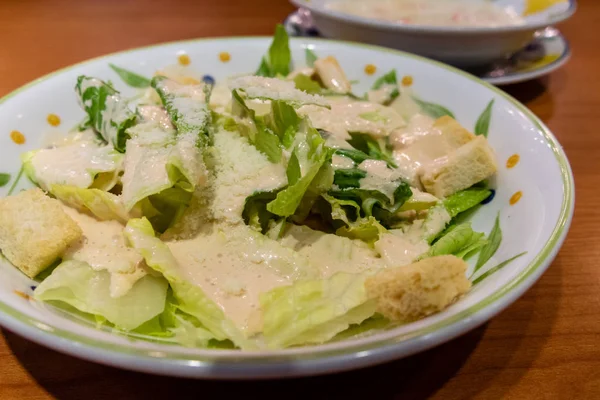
(274, 89)
(381, 95)
(57, 138)
(234, 265)
(398, 250)
(330, 253)
(103, 247)
(431, 12)
(373, 119)
(418, 145)
(75, 164)
(156, 114)
(341, 162)
(379, 177)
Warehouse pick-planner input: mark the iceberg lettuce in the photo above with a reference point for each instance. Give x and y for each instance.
(190, 298)
(78, 285)
(314, 311)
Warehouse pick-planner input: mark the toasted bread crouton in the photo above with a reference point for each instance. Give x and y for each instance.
(420, 289)
(453, 132)
(34, 230)
(468, 165)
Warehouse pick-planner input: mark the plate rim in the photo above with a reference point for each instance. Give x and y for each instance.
(321, 358)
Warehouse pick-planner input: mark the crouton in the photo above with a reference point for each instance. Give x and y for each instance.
(332, 75)
(420, 289)
(34, 230)
(453, 132)
(468, 165)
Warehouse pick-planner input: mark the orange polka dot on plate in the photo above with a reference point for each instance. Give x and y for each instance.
(184, 59)
(224, 56)
(53, 119)
(407, 80)
(514, 199)
(17, 137)
(370, 69)
(512, 161)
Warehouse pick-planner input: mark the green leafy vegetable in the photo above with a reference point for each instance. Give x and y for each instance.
(373, 116)
(388, 79)
(267, 143)
(311, 57)
(189, 115)
(314, 311)
(496, 268)
(131, 78)
(432, 109)
(284, 121)
(355, 155)
(493, 242)
(483, 122)
(465, 199)
(370, 146)
(366, 229)
(190, 298)
(255, 213)
(348, 178)
(75, 283)
(104, 205)
(306, 84)
(279, 56)
(459, 240)
(4, 179)
(107, 112)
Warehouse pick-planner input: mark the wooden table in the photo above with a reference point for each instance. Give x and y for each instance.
(546, 345)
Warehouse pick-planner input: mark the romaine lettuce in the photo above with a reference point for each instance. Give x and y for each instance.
(459, 240)
(104, 205)
(78, 285)
(314, 311)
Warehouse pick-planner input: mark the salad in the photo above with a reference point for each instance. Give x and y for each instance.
(272, 209)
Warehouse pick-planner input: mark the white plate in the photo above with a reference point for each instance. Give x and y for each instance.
(537, 223)
(548, 51)
(464, 46)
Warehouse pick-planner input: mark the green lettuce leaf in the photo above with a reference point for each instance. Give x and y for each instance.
(131, 78)
(190, 298)
(465, 200)
(279, 57)
(104, 205)
(348, 178)
(308, 85)
(314, 311)
(370, 146)
(388, 79)
(459, 240)
(187, 109)
(107, 112)
(75, 283)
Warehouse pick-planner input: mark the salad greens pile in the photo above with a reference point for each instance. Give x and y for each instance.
(149, 167)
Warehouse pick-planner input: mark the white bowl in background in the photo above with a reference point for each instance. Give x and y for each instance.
(462, 46)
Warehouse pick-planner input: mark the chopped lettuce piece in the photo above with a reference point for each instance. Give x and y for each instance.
(490, 248)
(391, 80)
(366, 229)
(190, 298)
(306, 84)
(187, 107)
(459, 240)
(131, 78)
(314, 311)
(81, 164)
(107, 112)
(312, 154)
(348, 178)
(465, 199)
(372, 147)
(278, 59)
(78, 285)
(104, 205)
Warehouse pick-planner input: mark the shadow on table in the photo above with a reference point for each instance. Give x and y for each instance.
(420, 376)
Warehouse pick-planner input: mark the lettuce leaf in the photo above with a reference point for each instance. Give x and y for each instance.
(459, 240)
(388, 79)
(75, 283)
(104, 205)
(314, 311)
(465, 199)
(370, 146)
(107, 112)
(279, 57)
(190, 298)
(82, 165)
(312, 154)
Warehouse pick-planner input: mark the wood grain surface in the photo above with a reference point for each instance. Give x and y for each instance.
(546, 345)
